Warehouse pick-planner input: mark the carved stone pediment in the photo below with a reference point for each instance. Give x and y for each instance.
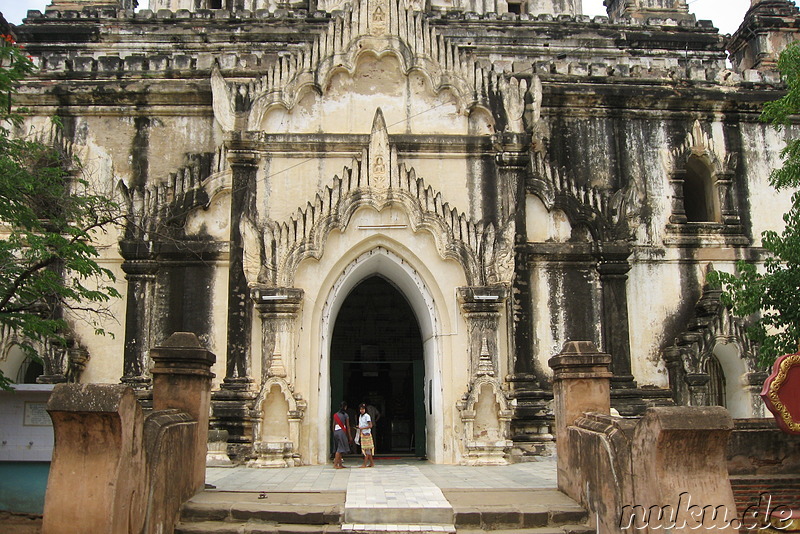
(376, 28)
(377, 180)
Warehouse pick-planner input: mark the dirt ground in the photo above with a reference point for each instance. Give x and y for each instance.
(20, 523)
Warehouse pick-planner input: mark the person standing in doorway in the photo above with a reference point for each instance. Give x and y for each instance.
(342, 436)
(365, 435)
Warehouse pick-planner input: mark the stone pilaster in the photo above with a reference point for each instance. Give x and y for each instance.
(676, 181)
(485, 439)
(753, 384)
(233, 403)
(513, 159)
(244, 164)
(613, 267)
(279, 309)
(698, 388)
(728, 212)
(140, 272)
(182, 381)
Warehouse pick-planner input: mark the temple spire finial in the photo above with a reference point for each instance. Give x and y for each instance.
(379, 156)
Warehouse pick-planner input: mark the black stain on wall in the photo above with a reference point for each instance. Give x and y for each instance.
(140, 152)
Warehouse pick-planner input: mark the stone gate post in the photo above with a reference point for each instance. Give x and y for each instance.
(95, 481)
(182, 381)
(581, 383)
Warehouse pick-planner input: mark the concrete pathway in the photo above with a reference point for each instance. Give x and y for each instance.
(395, 495)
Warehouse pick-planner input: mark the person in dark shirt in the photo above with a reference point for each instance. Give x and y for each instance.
(342, 436)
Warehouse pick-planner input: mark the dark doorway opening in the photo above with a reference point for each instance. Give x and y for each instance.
(377, 358)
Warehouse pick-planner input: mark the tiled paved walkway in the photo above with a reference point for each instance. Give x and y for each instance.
(531, 475)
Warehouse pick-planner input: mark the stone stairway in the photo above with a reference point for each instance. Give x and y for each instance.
(228, 512)
(537, 511)
(529, 511)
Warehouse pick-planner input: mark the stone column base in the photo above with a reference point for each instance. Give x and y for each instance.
(491, 453)
(273, 454)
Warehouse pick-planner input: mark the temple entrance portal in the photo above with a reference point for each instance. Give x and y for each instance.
(377, 358)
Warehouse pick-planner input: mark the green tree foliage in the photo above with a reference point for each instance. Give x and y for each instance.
(48, 217)
(774, 294)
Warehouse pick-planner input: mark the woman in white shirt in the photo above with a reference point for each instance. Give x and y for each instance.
(365, 435)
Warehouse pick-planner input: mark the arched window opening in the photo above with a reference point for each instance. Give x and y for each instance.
(716, 383)
(699, 195)
(29, 371)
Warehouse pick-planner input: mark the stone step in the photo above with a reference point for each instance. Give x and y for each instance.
(389, 515)
(395, 495)
(513, 509)
(522, 511)
(253, 527)
(563, 529)
(313, 508)
(384, 528)
(224, 527)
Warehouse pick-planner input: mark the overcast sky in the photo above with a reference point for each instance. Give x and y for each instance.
(726, 14)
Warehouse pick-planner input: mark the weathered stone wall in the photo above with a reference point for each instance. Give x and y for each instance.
(759, 447)
(538, 157)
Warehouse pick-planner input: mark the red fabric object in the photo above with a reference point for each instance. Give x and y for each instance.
(339, 422)
(781, 393)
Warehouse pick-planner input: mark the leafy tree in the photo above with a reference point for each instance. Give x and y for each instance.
(48, 217)
(774, 294)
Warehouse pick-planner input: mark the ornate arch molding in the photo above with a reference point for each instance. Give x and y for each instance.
(377, 27)
(377, 180)
(728, 229)
(61, 363)
(159, 210)
(688, 358)
(583, 205)
(698, 144)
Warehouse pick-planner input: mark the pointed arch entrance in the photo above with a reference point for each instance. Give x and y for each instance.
(417, 426)
(376, 357)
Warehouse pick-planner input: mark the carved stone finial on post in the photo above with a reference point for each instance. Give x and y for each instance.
(581, 383)
(485, 366)
(379, 163)
(182, 381)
